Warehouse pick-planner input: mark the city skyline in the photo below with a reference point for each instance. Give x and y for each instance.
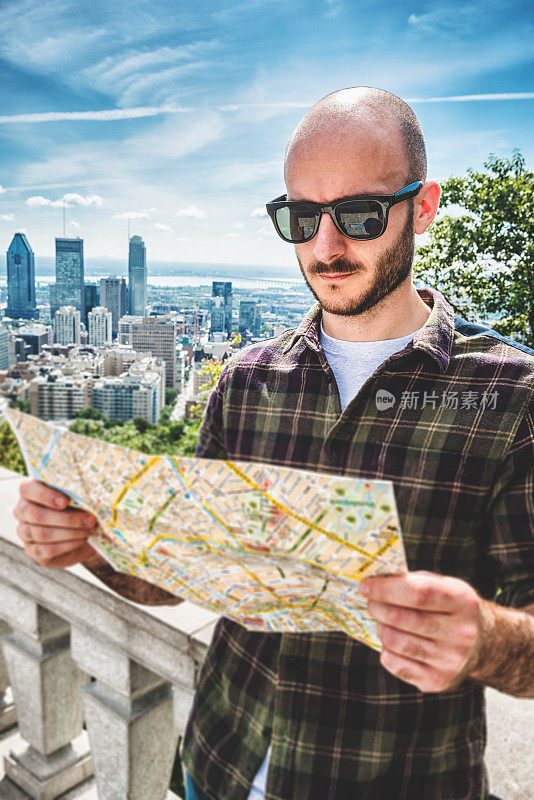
(178, 123)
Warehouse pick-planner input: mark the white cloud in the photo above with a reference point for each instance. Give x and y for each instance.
(191, 211)
(7, 217)
(74, 224)
(3, 190)
(160, 226)
(259, 212)
(182, 239)
(38, 200)
(233, 236)
(104, 115)
(83, 200)
(267, 232)
(69, 199)
(239, 225)
(135, 214)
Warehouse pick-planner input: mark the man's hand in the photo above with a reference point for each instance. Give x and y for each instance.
(53, 535)
(431, 627)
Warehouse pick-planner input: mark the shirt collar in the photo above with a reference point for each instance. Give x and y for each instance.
(435, 338)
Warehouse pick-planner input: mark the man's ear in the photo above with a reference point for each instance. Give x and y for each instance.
(426, 205)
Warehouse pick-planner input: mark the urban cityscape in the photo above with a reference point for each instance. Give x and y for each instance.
(120, 345)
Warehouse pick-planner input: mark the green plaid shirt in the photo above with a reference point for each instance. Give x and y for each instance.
(458, 443)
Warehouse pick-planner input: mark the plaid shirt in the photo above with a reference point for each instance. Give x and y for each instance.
(458, 444)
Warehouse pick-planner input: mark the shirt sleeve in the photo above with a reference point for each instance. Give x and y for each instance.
(510, 520)
(211, 438)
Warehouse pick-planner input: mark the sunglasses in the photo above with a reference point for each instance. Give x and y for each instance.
(362, 217)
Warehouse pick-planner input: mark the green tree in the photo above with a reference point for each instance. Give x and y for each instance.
(10, 455)
(482, 260)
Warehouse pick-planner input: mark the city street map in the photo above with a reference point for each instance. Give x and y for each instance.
(275, 549)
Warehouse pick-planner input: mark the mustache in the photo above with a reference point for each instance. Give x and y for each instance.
(341, 266)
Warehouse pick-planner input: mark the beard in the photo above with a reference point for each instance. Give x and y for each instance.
(392, 268)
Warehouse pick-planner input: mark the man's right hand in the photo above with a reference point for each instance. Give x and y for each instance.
(53, 534)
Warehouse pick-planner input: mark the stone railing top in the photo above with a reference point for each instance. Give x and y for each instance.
(169, 640)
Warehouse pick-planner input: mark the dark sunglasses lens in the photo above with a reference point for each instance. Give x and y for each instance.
(296, 224)
(360, 219)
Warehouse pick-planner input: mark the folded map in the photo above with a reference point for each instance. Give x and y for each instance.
(273, 548)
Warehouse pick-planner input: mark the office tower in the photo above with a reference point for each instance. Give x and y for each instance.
(250, 317)
(221, 307)
(57, 396)
(129, 396)
(157, 336)
(114, 297)
(4, 348)
(20, 279)
(70, 287)
(99, 326)
(35, 336)
(67, 325)
(124, 335)
(137, 276)
(91, 299)
(53, 301)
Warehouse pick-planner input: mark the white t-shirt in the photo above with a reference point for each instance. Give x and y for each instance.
(352, 364)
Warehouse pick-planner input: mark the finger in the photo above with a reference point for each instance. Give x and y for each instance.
(408, 645)
(33, 514)
(43, 553)
(420, 590)
(39, 492)
(74, 556)
(430, 624)
(425, 678)
(41, 534)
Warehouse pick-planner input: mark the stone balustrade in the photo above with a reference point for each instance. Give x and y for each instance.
(75, 656)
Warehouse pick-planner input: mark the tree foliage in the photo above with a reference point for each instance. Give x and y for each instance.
(482, 260)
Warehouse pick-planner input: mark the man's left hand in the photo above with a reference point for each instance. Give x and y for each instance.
(431, 627)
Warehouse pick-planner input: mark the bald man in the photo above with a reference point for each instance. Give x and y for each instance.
(317, 716)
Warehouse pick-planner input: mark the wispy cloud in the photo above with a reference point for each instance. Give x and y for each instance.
(467, 98)
(7, 217)
(104, 115)
(161, 226)
(191, 211)
(2, 190)
(135, 214)
(259, 212)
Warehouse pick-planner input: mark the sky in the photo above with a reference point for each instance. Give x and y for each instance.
(176, 114)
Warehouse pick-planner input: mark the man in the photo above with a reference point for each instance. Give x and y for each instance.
(316, 716)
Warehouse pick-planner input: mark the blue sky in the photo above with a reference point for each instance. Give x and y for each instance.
(177, 113)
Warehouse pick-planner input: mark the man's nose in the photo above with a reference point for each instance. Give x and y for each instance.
(329, 243)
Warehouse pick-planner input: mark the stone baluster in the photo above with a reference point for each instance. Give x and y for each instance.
(129, 716)
(45, 684)
(7, 708)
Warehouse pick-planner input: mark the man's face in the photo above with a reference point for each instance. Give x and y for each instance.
(349, 277)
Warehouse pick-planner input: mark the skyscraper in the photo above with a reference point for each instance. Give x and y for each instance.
(250, 317)
(20, 279)
(157, 335)
(4, 348)
(99, 326)
(70, 289)
(67, 325)
(221, 307)
(91, 298)
(113, 296)
(137, 276)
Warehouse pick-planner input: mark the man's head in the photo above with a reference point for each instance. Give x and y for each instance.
(359, 141)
